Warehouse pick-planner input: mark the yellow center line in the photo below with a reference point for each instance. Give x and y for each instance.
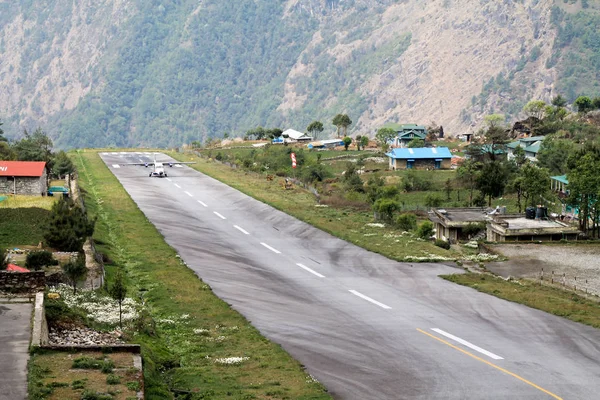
(490, 364)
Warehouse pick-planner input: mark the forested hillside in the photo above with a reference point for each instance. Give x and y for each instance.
(165, 72)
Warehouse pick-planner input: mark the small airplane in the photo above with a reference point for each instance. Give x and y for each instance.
(158, 167)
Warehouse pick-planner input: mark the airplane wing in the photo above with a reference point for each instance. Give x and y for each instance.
(164, 163)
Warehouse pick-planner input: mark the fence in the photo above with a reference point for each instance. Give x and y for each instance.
(566, 282)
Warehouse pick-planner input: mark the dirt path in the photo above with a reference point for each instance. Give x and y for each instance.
(528, 260)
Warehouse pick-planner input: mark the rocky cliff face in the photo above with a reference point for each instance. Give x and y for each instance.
(131, 72)
(455, 48)
(52, 55)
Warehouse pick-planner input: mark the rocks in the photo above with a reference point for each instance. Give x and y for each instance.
(84, 336)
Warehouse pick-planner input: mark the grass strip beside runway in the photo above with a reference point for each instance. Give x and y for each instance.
(550, 299)
(194, 343)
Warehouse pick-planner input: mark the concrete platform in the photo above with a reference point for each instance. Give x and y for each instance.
(15, 319)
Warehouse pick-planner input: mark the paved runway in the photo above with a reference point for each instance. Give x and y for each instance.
(365, 326)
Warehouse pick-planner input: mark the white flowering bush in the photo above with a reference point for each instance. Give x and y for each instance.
(202, 332)
(482, 257)
(375, 225)
(100, 308)
(471, 245)
(427, 258)
(231, 360)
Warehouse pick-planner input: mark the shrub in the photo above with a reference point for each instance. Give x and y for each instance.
(473, 228)
(113, 379)
(105, 365)
(133, 385)
(425, 230)
(413, 182)
(442, 243)
(433, 200)
(93, 395)
(386, 208)
(38, 259)
(3, 259)
(406, 222)
(78, 384)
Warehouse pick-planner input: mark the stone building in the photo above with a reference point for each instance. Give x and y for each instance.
(23, 177)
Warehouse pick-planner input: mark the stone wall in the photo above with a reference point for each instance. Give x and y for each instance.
(39, 334)
(32, 186)
(22, 282)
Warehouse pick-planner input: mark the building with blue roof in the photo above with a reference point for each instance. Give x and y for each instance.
(420, 158)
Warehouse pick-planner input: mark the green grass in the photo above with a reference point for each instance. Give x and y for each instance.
(174, 355)
(22, 226)
(545, 298)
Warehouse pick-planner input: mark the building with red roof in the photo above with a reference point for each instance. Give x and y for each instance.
(23, 177)
(16, 268)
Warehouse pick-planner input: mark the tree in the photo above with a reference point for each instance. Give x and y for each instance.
(62, 165)
(315, 128)
(519, 156)
(6, 152)
(68, 227)
(342, 121)
(535, 109)
(347, 142)
(517, 185)
(495, 120)
(364, 141)
(274, 133)
(118, 291)
(554, 154)
(37, 259)
(384, 136)
(346, 122)
(596, 103)
(535, 183)
(258, 133)
(75, 271)
(492, 180)
(468, 173)
(559, 101)
(34, 147)
(583, 104)
(584, 185)
(2, 138)
(416, 143)
(3, 259)
(448, 188)
(357, 141)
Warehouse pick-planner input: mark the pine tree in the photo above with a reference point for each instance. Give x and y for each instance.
(118, 291)
(75, 271)
(68, 227)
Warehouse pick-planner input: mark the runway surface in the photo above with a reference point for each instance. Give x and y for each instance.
(365, 326)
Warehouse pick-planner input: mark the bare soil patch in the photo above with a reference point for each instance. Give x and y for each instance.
(579, 264)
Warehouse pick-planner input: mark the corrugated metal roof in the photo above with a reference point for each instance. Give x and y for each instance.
(420, 153)
(294, 134)
(22, 168)
(561, 178)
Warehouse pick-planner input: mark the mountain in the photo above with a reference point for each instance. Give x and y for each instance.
(165, 72)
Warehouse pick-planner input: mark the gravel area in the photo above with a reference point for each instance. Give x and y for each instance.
(577, 263)
(84, 336)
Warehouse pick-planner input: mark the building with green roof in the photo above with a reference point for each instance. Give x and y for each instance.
(406, 133)
(531, 145)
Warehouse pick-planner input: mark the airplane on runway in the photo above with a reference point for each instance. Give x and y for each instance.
(158, 167)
